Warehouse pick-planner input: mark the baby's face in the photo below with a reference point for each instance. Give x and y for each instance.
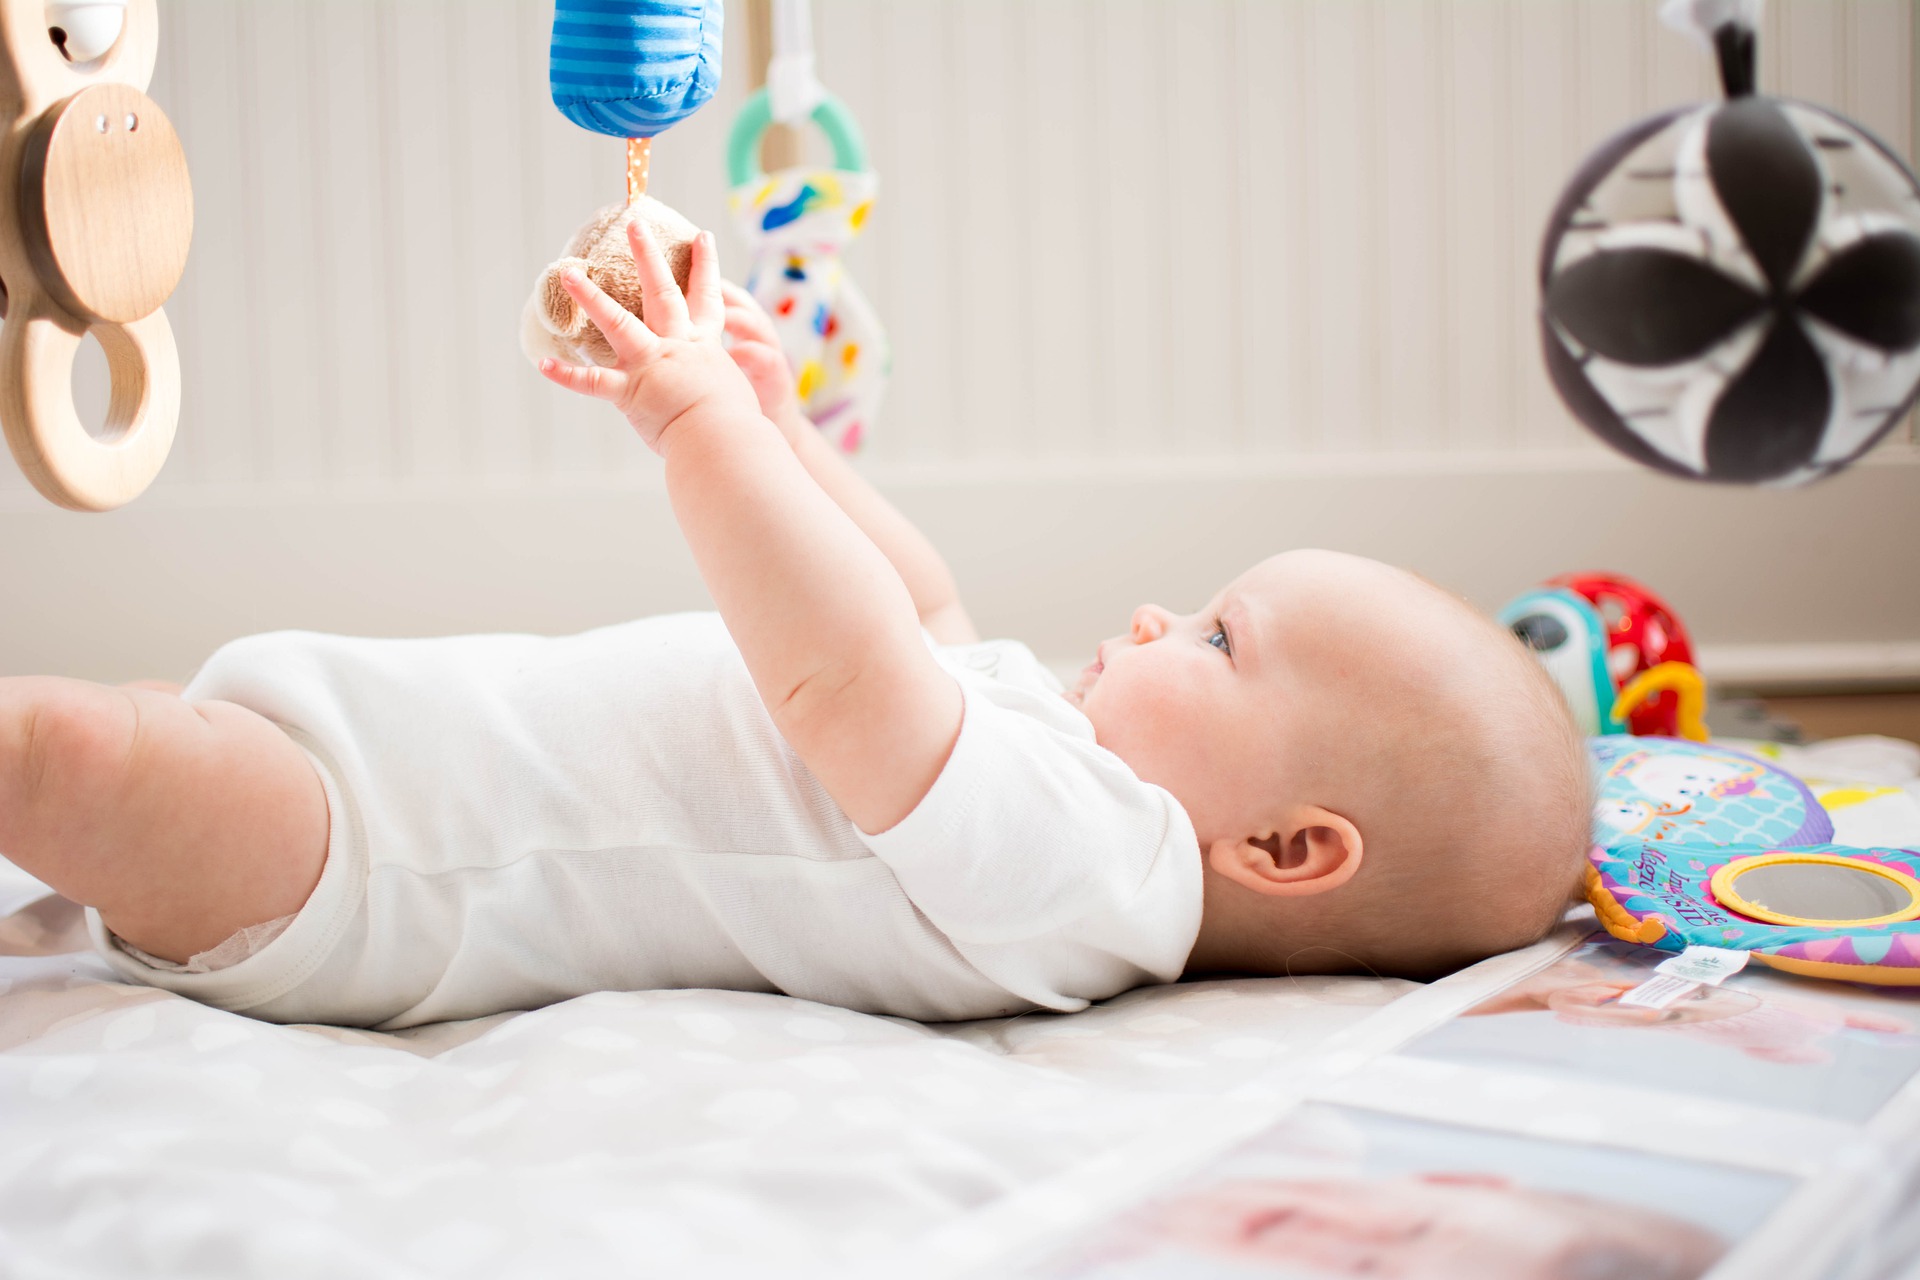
(1221, 705)
(1435, 1226)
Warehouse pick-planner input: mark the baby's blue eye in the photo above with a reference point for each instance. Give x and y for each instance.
(1220, 641)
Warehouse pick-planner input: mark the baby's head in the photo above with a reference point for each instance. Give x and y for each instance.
(1380, 778)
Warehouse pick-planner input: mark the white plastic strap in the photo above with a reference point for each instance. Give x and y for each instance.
(793, 90)
(1699, 19)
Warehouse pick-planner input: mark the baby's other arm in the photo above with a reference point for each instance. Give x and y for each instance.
(756, 349)
(826, 626)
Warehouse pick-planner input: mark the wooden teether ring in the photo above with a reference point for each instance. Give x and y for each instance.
(95, 216)
(53, 447)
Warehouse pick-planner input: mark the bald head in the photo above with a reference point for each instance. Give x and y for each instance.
(1451, 752)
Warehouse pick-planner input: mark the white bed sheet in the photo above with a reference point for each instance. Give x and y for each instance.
(670, 1132)
(654, 1133)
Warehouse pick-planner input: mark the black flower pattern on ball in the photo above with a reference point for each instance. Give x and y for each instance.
(1654, 307)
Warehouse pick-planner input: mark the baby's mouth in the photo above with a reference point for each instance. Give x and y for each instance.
(1087, 676)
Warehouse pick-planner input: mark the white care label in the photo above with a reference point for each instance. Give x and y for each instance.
(1685, 973)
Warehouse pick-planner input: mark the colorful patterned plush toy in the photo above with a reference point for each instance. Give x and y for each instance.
(797, 222)
(1700, 846)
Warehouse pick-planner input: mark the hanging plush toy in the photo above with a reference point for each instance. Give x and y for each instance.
(631, 69)
(1731, 292)
(797, 222)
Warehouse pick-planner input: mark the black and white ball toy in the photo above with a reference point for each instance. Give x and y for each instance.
(1731, 292)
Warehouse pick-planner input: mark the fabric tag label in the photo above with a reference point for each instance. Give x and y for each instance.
(1679, 975)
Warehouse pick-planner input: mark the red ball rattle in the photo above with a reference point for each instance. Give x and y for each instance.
(1642, 633)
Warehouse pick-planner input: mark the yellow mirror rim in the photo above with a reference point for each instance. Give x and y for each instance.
(1722, 888)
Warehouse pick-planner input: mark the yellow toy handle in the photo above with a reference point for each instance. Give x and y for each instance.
(1683, 680)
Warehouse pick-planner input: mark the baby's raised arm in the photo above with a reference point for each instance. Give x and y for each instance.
(756, 349)
(828, 630)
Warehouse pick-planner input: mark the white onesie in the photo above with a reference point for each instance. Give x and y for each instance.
(517, 820)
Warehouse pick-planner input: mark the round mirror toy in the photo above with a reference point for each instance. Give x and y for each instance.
(96, 213)
(1823, 911)
(1795, 888)
(1696, 845)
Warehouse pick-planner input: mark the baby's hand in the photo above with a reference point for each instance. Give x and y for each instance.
(755, 347)
(672, 368)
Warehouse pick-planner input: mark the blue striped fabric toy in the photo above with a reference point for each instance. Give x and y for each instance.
(633, 68)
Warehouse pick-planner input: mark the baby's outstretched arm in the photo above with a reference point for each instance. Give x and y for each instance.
(756, 349)
(828, 630)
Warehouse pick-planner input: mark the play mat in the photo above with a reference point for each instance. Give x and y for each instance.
(1770, 1127)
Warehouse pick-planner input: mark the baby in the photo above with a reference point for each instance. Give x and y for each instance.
(831, 789)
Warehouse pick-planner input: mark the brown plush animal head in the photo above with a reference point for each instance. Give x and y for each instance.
(553, 325)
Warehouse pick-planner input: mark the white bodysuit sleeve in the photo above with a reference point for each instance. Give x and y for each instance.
(1054, 870)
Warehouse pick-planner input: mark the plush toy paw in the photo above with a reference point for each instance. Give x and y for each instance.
(552, 324)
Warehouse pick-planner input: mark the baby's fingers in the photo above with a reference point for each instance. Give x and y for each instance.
(588, 380)
(629, 339)
(705, 305)
(660, 296)
(748, 323)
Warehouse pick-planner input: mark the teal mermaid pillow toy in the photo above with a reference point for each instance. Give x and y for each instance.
(1699, 845)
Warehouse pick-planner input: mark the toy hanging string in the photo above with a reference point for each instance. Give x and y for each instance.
(639, 158)
(793, 87)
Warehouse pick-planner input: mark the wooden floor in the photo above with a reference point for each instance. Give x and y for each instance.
(1838, 715)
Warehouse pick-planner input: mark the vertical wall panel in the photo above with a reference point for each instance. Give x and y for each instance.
(914, 226)
(992, 244)
(1539, 102)
(220, 352)
(429, 281)
(1057, 168)
(1130, 231)
(356, 377)
(1268, 326)
(490, 155)
(1411, 334)
(1107, 230)
(1879, 50)
(1483, 232)
(1197, 103)
(1340, 227)
(284, 249)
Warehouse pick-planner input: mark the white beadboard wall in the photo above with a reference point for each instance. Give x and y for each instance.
(1117, 239)
(1110, 228)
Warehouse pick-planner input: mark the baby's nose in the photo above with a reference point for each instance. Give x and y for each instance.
(1149, 623)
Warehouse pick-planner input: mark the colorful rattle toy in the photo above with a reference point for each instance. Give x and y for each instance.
(629, 69)
(1700, 848)
(1618, 653)
(796, 222)
(96, 213)
(1731, 292)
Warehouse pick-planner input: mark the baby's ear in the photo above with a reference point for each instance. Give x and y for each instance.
(1311, 851)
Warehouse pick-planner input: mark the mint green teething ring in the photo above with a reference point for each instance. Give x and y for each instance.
(831, 117)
